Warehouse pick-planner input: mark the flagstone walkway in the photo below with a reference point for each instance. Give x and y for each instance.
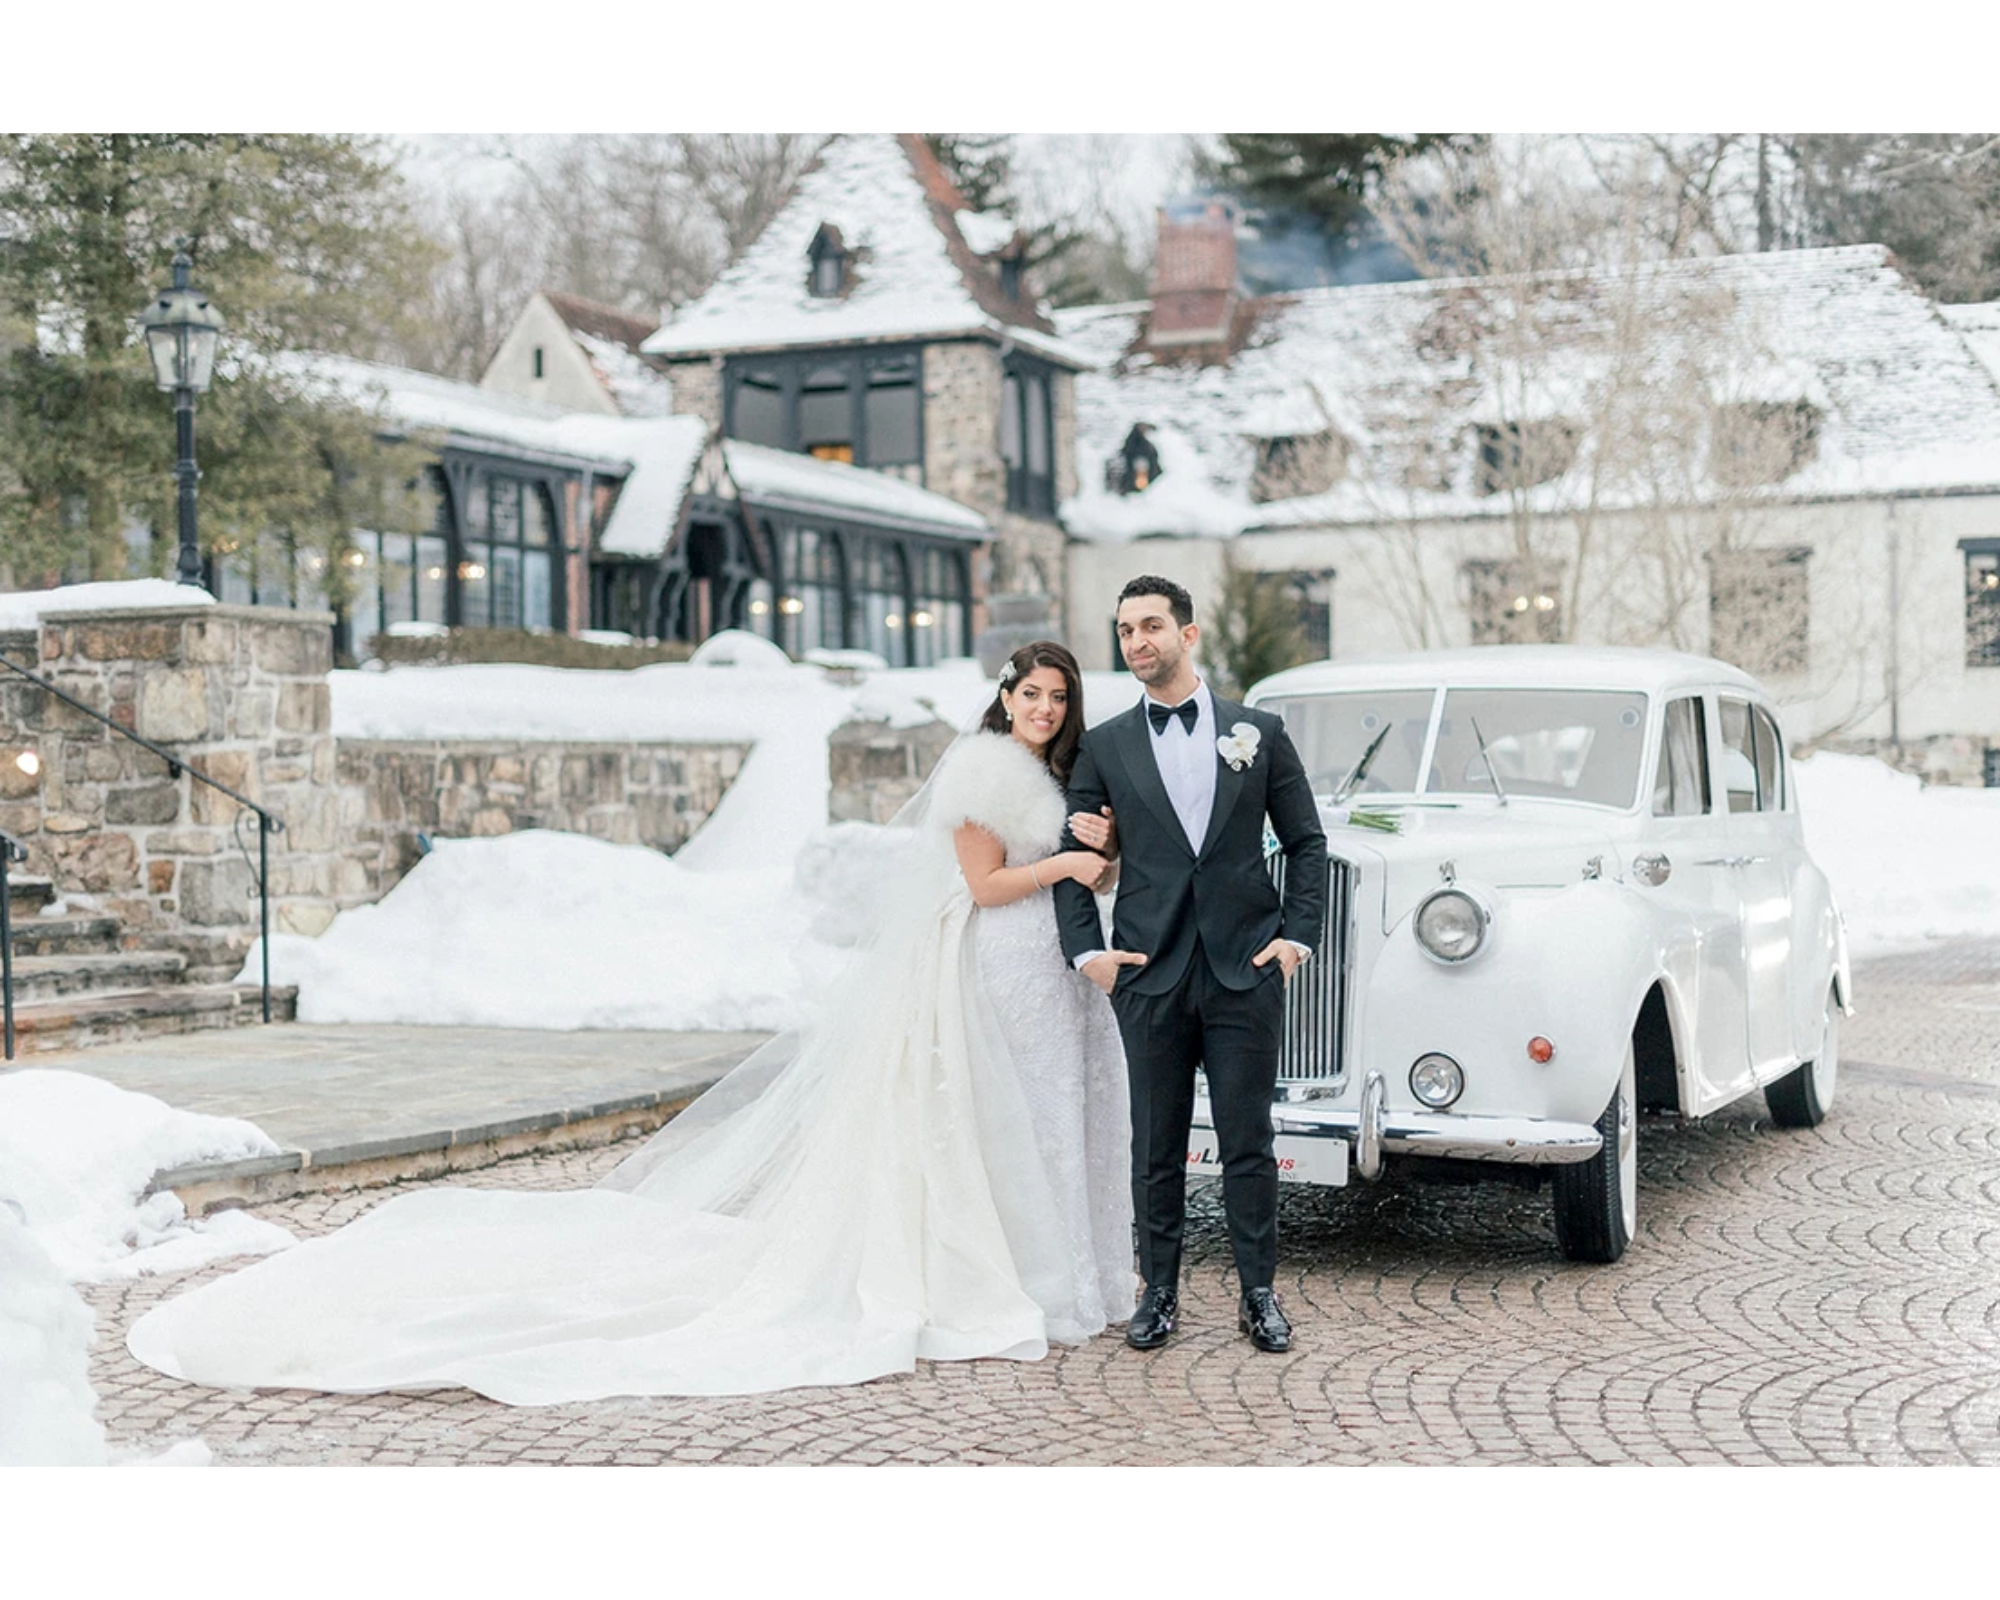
(1828, 1296)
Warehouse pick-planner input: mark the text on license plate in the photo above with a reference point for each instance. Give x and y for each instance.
(1301, 1158)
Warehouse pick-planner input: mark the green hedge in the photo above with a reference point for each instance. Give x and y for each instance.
(466, 645)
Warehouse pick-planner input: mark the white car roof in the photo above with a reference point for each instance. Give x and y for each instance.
(1515, 666)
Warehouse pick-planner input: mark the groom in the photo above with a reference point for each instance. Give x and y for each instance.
(1202, 945)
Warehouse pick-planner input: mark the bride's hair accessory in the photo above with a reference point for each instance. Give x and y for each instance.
(1007, 672)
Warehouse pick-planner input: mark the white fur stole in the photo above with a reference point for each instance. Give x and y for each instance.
(990, 779)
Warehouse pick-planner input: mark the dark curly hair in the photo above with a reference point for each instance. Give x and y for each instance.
(1178, 600)
(1060, 752)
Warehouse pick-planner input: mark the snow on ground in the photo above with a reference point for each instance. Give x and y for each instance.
(545, 930)
(76, 1154)
(46, 1402)
(1908, 863)
(20, 609)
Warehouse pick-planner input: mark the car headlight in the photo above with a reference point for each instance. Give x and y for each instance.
(1451, 925)
(1437, 1080)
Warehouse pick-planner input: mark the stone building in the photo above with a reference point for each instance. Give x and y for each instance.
(880, 323)
(1789, 460)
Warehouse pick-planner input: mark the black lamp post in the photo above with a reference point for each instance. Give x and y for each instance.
(181, 329)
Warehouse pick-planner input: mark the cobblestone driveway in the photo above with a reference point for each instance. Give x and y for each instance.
(1823, 1296)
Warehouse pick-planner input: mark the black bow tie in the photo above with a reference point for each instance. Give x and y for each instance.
(1160, 715)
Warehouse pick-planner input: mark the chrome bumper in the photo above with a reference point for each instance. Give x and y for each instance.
(1375, 1131)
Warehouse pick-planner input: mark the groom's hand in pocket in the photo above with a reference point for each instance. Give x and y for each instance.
(1102, 970)
(1282, 951)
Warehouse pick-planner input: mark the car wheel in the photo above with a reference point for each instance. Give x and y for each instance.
(1597, 1201)
(1803, 1096)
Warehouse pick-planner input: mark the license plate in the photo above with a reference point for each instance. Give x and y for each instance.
(1301, 1159)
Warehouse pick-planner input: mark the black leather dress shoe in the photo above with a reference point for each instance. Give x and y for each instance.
(1153, 1318)
(1260, 1317)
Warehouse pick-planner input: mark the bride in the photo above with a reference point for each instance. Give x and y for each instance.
(938, 1169)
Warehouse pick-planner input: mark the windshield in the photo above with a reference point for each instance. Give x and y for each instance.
(1333, 732)
(1563, 744)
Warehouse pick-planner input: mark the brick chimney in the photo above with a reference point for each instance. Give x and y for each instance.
(1194, 274)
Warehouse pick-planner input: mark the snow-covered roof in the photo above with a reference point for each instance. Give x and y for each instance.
(1979, 326)
(655, 455)
(611, 340)
(1403, 373)
(913, 273)
(783, 479)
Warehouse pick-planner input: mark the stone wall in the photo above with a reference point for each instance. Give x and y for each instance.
(241, 693)
(236, 692)
(1949, 759)
(648, 794)
(875, 767)
(698, 389)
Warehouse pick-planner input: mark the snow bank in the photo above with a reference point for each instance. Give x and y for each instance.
(22, 609)
(46, 1403)
(554, 930)
(1908, 863)
(76, 1154)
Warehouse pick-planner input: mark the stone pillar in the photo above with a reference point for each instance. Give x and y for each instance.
(238, 693)
(875, 767)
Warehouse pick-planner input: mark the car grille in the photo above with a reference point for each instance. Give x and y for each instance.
(1317, 999)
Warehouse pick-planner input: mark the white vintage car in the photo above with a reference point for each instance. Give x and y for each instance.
(1567, 885)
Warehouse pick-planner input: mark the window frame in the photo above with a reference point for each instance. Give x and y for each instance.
(1030, 492)
(1982, 601)
(861, 368)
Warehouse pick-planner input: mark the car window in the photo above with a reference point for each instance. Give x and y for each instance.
(1333, 731)
(1739, 756)
(1569, 744)
(1770, 761)
(1680, 782)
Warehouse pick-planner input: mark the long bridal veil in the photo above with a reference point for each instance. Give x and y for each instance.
(848, 1200)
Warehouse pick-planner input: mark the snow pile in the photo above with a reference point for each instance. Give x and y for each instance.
(22, 609)
(554, 930)
(549, 930)
(1908, 863)
(46, 1402)
(76, 1154)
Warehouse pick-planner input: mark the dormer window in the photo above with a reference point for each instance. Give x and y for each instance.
(1516, 455)
(1137, 463)
(1298, 464)
(1758, 442)
(827, 279)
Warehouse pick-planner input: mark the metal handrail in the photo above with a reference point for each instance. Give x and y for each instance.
(11, 851)
(268, 823)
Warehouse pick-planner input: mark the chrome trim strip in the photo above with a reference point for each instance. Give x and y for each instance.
(1368, 1135)
(1506, 1141)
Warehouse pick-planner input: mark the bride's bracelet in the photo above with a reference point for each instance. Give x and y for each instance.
(1034, 877)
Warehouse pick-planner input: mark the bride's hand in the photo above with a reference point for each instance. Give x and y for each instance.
(1096, 832)
(1085, 866)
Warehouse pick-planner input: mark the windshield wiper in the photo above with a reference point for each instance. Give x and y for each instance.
(1360, 768)
(1487, 756)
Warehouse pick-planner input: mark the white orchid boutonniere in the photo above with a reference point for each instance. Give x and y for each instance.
(1239, 746)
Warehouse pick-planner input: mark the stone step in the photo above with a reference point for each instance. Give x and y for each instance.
(109, 972)
(26, 894)
(76, 1022)
(82, 934)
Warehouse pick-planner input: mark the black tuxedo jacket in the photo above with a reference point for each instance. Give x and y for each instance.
(1170, 896)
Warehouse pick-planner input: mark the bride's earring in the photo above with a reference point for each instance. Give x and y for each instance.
(1009, 716)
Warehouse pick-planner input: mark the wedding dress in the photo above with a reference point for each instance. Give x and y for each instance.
(937, 1169)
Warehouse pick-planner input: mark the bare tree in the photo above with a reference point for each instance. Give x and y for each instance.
(1625, 412)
